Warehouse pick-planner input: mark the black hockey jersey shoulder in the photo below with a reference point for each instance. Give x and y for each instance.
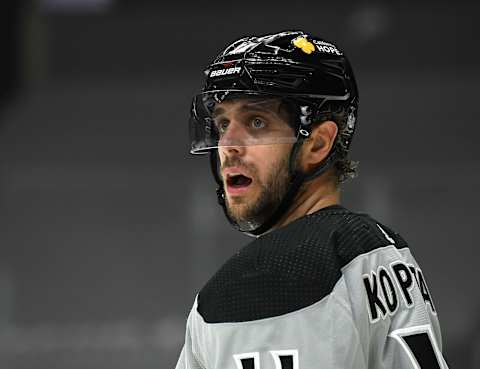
(291, 267)
(358, 233)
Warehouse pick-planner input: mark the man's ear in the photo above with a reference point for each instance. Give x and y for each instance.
(316, 148)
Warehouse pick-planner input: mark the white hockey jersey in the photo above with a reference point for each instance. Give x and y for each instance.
(332, 290)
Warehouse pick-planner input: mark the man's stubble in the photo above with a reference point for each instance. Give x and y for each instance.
(251, 213)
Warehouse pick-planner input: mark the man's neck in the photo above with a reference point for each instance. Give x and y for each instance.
(313, 196)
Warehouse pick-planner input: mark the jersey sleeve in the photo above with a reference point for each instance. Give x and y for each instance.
(189, 355)
(393, 310)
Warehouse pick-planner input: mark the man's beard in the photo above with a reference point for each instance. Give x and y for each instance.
(272, 191)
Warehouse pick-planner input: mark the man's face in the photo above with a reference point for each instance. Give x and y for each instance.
(254, 146)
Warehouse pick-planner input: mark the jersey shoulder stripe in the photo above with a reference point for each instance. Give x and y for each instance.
(292, 267)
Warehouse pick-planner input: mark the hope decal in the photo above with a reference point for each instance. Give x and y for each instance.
(283, 359)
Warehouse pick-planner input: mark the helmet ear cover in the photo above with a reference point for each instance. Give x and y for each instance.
(305, 115)
(345, 117)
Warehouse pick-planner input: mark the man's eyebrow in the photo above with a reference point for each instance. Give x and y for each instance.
(263, 107)
(263, 104)
(217, 111)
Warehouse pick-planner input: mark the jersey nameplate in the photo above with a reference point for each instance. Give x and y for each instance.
(386, 286)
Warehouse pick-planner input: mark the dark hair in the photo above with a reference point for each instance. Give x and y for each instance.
(344, 168)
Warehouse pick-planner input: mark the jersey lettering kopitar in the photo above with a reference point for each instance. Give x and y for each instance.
(331, 290)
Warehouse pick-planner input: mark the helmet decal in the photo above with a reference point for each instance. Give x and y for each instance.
(351, 120)
(302, 43)
(226, 71)
(326, 47)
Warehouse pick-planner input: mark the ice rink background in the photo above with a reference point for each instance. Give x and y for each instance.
(108, 227)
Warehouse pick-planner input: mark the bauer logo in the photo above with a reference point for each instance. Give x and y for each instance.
(224, 72)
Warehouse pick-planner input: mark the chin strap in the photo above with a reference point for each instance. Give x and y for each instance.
(297, 178)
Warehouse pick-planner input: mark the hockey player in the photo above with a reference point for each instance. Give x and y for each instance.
(320, 287)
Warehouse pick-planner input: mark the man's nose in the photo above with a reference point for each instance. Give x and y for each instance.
(233, 140)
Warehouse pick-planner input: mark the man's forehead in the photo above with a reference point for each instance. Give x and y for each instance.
(268, 105)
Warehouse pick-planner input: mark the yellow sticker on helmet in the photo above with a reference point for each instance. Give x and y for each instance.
(304, 44)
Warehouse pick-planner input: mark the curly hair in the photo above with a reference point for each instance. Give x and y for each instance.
(344, 168)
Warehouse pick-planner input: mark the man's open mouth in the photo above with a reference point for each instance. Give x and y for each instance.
(238, 180)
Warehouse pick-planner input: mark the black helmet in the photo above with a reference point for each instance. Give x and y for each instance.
(313, 75)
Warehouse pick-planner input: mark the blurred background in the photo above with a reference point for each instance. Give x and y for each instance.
(108, 228)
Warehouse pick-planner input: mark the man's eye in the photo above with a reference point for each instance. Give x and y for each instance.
(222, 126)
(258, 123)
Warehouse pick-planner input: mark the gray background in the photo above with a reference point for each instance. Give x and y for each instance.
(108, 227)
